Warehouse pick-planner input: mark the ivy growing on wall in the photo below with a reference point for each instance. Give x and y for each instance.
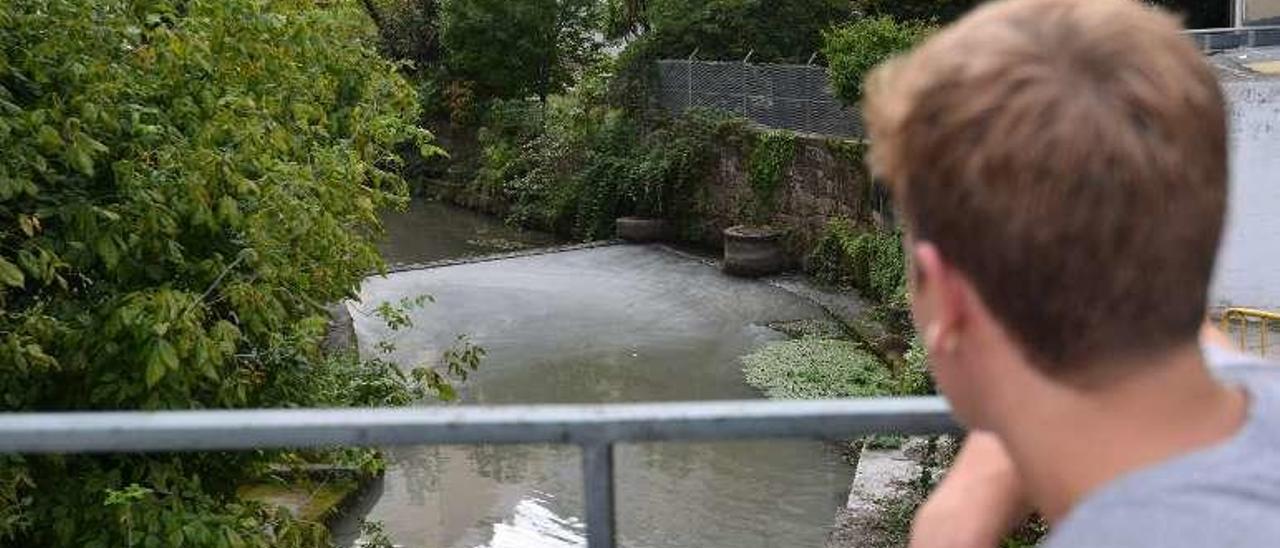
(771, 157)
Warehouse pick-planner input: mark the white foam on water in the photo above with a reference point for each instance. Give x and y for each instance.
(534, 525)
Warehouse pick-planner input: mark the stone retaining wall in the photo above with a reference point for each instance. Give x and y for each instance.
(827, 180)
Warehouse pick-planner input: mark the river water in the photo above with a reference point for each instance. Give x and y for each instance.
(428, 231)
(611, 324)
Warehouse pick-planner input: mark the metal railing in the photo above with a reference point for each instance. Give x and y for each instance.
(594, 428)
(1228, 38)
(1244, 318)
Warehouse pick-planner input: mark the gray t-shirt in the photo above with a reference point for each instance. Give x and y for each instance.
(1227, 495)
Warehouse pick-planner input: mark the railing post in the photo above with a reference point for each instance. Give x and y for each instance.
(598, 496)
(1266, 326)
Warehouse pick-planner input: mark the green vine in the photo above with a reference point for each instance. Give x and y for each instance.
(770, 159)
(853, 153)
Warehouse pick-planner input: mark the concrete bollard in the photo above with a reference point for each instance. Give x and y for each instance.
(753, 252)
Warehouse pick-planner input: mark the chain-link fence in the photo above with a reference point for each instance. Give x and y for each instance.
(794, 97)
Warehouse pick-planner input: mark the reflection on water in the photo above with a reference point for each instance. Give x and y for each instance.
(612, 324)
(431, 231)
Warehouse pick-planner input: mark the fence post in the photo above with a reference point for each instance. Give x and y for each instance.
(598, 494)
(688, 98)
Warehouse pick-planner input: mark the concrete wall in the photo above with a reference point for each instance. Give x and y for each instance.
(1249, 266)
(825, 181)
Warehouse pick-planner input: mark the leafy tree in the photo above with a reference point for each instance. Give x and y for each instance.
(852, 50)
(776, 30)
(935, 11)
(626, 18)
(184, 183)
(410, 31)
(512, 50)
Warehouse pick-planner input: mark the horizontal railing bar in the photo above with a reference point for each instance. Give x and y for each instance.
(1226, 30)
(128, 432)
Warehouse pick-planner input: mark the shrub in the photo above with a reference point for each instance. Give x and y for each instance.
(852, 50)
(184, 183)
(871, 261)
(513, 50)
(915, 378)
(813, 368)
(886, 260)
(589, 163)
(831, 260)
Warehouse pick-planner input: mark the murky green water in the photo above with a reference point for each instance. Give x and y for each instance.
(615, 324)
(431, 231)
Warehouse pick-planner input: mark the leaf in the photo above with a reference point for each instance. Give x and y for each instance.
(79, 159)
(446, 392)
(228, 210)
(168, 355)
(28, 224)
(160, 360)
(106, 248)
(10, 274)
(233, 539)
(155, 372)
(91, 143)
(48, 139)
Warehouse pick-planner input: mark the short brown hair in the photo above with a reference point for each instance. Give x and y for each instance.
(1070, 157)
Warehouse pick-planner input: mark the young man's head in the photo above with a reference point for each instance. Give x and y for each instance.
(1062, 169)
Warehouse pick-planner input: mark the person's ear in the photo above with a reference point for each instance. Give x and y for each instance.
(936, 298)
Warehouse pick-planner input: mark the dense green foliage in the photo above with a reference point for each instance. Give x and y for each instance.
(513, 50)
(871, 261)
(588, 163)
(927, 11)
(775, 30)
(409, 31)
(464, 54)
(625, 18)
(852, 50)
(814, 368)
(184, 184)
(915, 377)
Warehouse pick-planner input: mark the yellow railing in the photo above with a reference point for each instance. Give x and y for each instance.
(1244, 318)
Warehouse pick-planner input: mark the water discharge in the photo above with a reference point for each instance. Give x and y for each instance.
(613, 324)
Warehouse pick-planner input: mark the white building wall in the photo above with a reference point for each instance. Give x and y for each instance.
(1249, 265)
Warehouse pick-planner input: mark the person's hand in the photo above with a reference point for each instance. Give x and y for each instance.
(980, 500)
